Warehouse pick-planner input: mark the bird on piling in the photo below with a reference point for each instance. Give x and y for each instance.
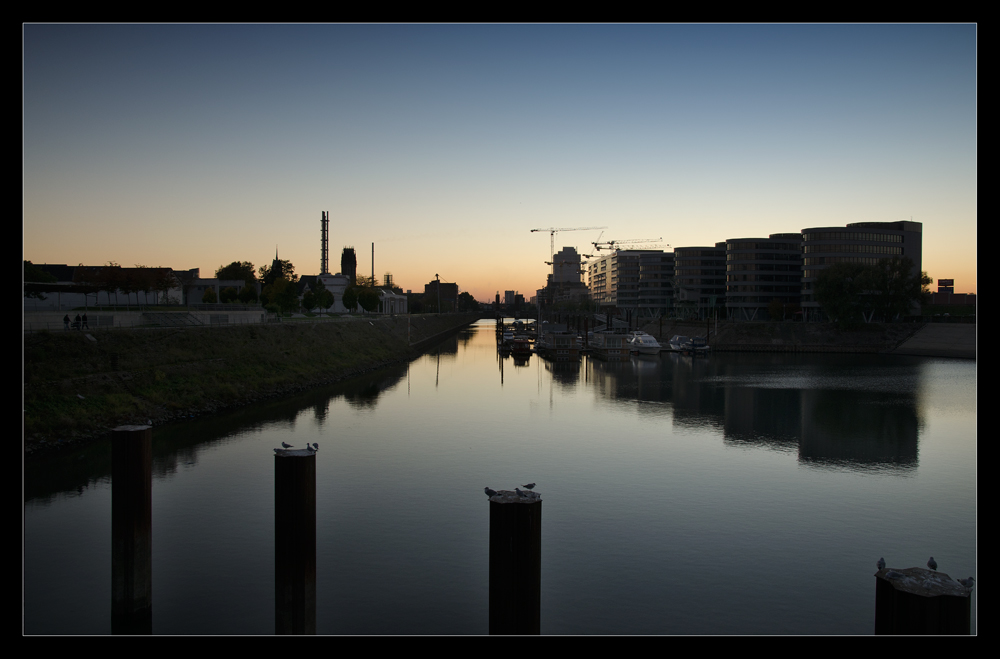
(284, 445)
(489, 492)
(892, 574)
(315, 446)
(932, 564)
(529, 486)
(520, 492)
(881, 563)
(968, 583)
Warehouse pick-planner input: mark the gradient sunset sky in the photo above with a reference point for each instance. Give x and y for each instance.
(197, 145)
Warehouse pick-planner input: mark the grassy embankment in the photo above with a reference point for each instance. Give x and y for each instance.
(77, 388)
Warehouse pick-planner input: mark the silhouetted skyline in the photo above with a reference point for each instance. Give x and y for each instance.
(196, 145)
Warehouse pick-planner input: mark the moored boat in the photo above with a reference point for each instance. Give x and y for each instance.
(643, 343)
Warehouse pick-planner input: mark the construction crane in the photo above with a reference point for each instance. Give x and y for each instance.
(552, 235)
(613, 244)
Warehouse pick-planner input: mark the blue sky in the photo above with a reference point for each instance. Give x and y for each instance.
(197, 145)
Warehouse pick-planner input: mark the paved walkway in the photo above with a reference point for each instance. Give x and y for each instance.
(942, 340)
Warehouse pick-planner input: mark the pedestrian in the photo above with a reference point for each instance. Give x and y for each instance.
(66, 321)
(76, 322)
(85, 325)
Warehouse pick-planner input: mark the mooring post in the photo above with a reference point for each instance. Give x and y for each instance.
(131, 530)
(515, 562)
(920, 601)
(294, 541)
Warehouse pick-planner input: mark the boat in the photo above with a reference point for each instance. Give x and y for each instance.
(611, 346)
(691, 345)
(643, 343)
(559, 345)
(678, 343)
(521, 347)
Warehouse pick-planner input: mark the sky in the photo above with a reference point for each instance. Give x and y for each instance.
(192, 146)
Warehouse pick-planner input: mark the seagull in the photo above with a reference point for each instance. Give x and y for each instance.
(310, 448)
(520, 493)
(489, 492)
(892, 574)
(881, 563)
(283, 444)
(932, 564)
(315, 446)
(530, 486)
(968, 583)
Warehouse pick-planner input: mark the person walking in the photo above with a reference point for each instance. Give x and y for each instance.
(76, 322)
(66, 321)
(85, 325)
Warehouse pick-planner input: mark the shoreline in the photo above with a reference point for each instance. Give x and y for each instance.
(76, 389)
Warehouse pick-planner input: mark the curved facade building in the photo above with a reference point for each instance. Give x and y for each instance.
(761, 272)
(700, 277)
(861, 242)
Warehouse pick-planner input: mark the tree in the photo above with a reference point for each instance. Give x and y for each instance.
(838, 290)
(368, 298)
(852, 292)
(281, 293)
(309, 300)
(242, 270)
(268, 274)
(893, 287)
(350, 299)
(228, 294)
(163, 283)
(248, 294)
(35, 274)
(208, 297)
(467, 303)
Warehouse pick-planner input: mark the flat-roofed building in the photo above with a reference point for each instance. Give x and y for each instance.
(699, 279)
(860, 242)
(761, 272)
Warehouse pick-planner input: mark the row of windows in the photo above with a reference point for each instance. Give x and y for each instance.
(794, 278)
(694, 263)
(770, 267)
(868, 249)
(762, 246)
(690, 272)
(829, 260)
(763, 289)
(763, 256)
(853, 235)
(755, 299)
(690, 253)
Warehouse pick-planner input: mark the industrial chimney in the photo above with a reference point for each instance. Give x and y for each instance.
(324, 262)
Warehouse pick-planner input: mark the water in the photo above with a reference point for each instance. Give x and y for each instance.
(735, 494)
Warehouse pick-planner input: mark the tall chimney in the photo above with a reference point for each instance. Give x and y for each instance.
(324, 262)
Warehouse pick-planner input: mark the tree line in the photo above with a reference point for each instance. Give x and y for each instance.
(852, 293)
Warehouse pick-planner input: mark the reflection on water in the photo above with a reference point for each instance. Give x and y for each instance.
(697, 494)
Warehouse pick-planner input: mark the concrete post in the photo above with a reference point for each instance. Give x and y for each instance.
(295, 541)
(920, 601)
(515, 563)
(131, 530)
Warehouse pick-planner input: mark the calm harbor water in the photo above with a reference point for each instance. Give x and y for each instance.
(733, 494)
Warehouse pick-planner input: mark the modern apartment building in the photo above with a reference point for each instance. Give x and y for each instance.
(860, 242)
(700, 278)
(761, 272)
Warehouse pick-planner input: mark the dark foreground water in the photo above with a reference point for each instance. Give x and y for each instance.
(734, 494)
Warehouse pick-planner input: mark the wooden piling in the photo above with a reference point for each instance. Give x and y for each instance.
(131, 530)
(515, 563)
(295, 541)
(920, 601)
